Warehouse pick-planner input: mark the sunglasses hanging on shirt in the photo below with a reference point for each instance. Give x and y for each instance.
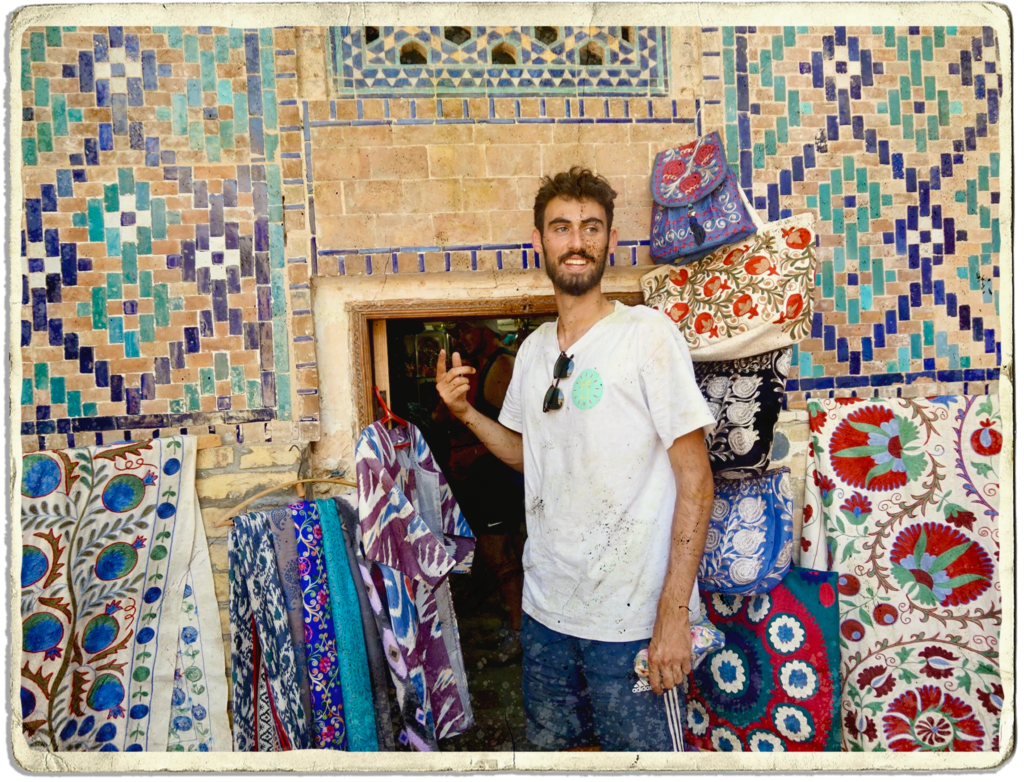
(553, 399)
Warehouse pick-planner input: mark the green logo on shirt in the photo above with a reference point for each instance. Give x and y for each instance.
(587, 390)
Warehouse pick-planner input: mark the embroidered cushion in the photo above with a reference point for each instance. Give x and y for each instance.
(744, 298)
(749, 547)
(698, 204)
(775, 686)
(745, 396)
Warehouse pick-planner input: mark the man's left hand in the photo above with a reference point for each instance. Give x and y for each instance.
(668, 656)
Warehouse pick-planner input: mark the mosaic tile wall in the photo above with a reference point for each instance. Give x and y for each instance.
(158, 293)
(181, 186)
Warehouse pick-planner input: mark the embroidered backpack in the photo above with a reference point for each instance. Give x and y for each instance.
(697, 202)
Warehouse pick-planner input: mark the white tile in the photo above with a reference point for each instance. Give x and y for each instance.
(217, 243)
(36, 250)
(204, 258)
(128, 233)
(232, 257)
(127, 203)
(116, 55)
(112, 219)
(144, 218)
(133, 69)
(218, 272)
(101, 70)
(118, 85)
(51, 265)
(37, 279)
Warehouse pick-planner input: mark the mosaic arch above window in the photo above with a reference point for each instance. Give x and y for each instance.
(517, 61)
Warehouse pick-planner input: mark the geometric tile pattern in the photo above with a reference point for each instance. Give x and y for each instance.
(890, 137)
(630, 61)
(155, 288)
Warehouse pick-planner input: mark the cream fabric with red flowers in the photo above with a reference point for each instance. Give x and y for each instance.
(745, 298)
(902, 499)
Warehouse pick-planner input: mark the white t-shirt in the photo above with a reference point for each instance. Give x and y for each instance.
(600, 492)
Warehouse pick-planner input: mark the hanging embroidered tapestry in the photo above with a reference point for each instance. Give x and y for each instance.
(902, 500)
(117, 655)
(265, 696)
(328, 721)
(775, 685)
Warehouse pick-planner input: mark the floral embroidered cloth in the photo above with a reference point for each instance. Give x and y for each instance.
(774, 687)
(902, 500)
(326, 699)
(265, 696)
(117, 653)
(744, 298)
(415, 535)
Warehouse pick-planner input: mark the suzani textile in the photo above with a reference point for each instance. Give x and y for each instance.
(326, 701)
(265, 695)
(902, 500)
(414, 535)
(774, 687)
(118, 654)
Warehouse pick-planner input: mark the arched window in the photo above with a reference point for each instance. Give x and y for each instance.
(371, 34)
(546, 35)
(413, 53)
(627, 34)
(592, 54)
(503, 54)
(457, 35)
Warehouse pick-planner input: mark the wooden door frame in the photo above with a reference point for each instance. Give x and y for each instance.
(364, 313)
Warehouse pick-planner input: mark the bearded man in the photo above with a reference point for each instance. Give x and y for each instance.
(604, 418)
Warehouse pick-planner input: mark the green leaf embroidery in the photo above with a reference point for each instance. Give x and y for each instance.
(947, 558)
(986, 406)
(907, 675)
(860, 426)
(865, 617)
(908, 430)
(915, 463)
(982, 468)
(847, 550)
(861, 450)
(921, 546)
(964, 681)
(904, 652)
(959, 581)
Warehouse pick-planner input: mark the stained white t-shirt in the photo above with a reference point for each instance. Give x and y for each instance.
(600, 492)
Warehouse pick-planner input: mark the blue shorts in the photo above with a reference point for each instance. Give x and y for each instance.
(580, 693)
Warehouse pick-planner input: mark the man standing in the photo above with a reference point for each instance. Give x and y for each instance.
(603, 416)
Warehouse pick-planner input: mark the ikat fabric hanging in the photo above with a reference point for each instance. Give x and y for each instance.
(119, 652)
(774, 687)
(902, 500)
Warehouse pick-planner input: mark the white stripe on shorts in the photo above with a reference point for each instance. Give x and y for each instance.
(675, 719)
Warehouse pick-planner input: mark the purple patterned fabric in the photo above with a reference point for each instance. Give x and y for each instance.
(415, 534)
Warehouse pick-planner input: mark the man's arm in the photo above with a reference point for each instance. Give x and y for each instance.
(452, 387)
(671, 643)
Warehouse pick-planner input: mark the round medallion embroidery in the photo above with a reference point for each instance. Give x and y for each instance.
(587, 390)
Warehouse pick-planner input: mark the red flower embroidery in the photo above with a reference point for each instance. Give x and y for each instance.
(874, 449)
(679, 311)
(827, 486)
(744, 305)
(848, 584)
(687, 149)
(885, 614)
(805, 544)
(808, 512)
(860, 725)
(796, 238)
(705, 323)
(817, 420)
(926, 719)
(678, 277)
(847, 400)
(960, 517)
(856, 506)
(992, 701)
(714, 285)
(937, 662)
(987, 441)
(731, 257)
(704, 154)
(851, 630)
(673, 170)
(794, 306)
(325, 665)
(877, 678)
(759, 264)
(937, 564)
(691, 183)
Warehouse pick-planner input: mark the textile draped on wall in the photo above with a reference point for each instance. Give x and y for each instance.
(775, 685)
(328, 731)
(266, 700)
(414, 533)
(117, 653)
(902, 500)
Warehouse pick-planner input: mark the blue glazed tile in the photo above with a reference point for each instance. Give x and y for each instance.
(100, 48)
(106, 136)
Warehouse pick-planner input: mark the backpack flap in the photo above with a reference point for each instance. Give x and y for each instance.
(688, 173)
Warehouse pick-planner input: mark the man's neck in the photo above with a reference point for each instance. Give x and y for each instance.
(577, 314)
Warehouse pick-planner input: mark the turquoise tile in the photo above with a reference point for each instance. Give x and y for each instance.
(928, 329)
(819, 370)
(905, 93)
(955, 108)
(237, 380)
(207, 71)
(224, 92)
(241, 112)
(227, 134)
(901, 48)
(828, 280)
(851, 238)
(83, 309)
(160, 305)
(179, 114)
(280, 345)
(788, 37)
(53, 36)
(126, 182)
(177, 405)
(42, 376)
(908, 126)
(793, 108)
(973, 272)
(270, 143)
(993, 164)
(266, 36)
(841, 298)
(863, 224)
(163, 113)
(267, 69)
(730, 104)
(235, 38)
(933, 128)
(769, 142)
(278, 291)
(866, 298)
(732, 144)
(192, 397)
(849, 170)
(862, 180)
(915, 346)
(782, 129)
(74, 115)
(158, 216)
(939, 33)
(269, 109)
(113, 236)
(26, 70)
(45, 136)
(220, 365)
(887, 199)
(758, 156)
(194, 92)
(111, 202)
(145, 284)
(864, 262)
(28, 152)
(115, 286)
(195, 135)
(213, 149)
(875, 200)
(972, 197)
(277, 245)
(74, 404)
(37, 47)
(206, 381)
(131, 344)
(915, 68)
(839, 259)
(890, 275)
(890, 366)
(943, 108)
(173, 217)
(253, 394)
(99, 308)
(174, 39)
(894, 107)
(57, 389)
(141, 196)
(766, 64)
(79, 220)
(995, 235)
(130, 263)
(89, 410)
(115, 330)
(929, 88)
(221, 49)
(838, 221)
(921, 140)
(144, 236)
(284, 397)
(59, 112)
(780, 88)
(42, 91)
(983, 178)
(890, 36)
(147, 328)
(853, 311)
(191, 48)
(27, 397)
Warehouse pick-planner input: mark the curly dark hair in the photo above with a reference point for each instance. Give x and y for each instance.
(577, 184)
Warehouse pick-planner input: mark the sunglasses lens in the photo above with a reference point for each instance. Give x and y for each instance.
(553, 399)
(563, 367)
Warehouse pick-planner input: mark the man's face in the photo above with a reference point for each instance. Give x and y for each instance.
(575, 244)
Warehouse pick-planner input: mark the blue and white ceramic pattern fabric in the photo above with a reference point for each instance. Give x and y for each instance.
(749, 547)
(266, 705)
(414, 533)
